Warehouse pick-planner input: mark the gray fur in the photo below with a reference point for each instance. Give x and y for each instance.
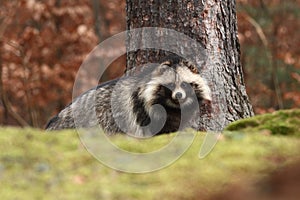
(141, 105)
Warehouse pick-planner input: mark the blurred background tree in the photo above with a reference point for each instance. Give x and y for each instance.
(269, 34)
(43, 43)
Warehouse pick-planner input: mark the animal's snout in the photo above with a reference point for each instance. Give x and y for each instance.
(178, 95)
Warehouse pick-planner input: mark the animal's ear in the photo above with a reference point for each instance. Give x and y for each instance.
(162, 67)
(168, 63)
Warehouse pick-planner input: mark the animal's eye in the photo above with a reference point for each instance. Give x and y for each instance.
(194, 69)
(184, 84)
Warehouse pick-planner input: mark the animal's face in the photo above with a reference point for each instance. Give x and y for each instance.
(176, 84)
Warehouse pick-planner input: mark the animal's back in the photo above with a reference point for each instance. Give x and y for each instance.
(86, 109)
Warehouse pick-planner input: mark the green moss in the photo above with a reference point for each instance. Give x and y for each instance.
(283, 122)
(55, 165)
(242, 124)
(281, 129)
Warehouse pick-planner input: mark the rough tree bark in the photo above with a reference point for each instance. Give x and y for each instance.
(214, 25)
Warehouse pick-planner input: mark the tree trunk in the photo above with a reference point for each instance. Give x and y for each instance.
(214, 25)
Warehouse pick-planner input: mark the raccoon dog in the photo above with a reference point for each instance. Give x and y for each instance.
(160, 99)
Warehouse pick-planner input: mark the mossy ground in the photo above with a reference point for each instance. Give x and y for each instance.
(283, 122)
(40, 165)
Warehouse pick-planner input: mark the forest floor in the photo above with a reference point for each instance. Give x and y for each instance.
(35, 164)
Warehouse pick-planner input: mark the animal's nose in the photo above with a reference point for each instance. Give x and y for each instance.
(178, 95)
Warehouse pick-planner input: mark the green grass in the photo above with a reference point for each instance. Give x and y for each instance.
(55, 165)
